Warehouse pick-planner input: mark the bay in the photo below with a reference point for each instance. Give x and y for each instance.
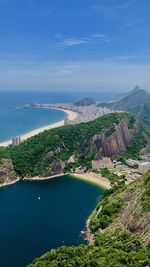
(39, 215)
(16, 120)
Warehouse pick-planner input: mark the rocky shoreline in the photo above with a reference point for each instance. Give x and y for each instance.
(9, 183)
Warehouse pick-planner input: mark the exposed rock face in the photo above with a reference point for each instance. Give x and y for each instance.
(121, 138)
(112, 141)
(55, 168)
(117, 142)
(7, 173)
(58, 150)
(72, 159)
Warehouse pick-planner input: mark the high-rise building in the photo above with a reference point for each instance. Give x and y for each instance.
(16, 140)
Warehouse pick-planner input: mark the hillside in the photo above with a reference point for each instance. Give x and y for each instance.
(125, 207)
(85, 102)
(121, 229)
(136, 101)
(143, 112)
(65, 148)
(7, 173)
(121, 96)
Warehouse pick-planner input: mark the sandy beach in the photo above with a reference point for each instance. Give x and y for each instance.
(89, 177)
(71, 116)
(93, 178)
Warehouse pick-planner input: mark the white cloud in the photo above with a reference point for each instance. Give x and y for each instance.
(85, 40)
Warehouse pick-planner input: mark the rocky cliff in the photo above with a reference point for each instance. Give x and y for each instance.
(120, 139)
(115, 140)
(7, 173)
(63, 149)
(110, 142)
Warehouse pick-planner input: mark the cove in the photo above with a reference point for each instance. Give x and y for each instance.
(39, 215)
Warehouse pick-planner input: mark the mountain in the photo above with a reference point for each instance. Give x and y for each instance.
(120, 230)
(143, 112)
(85, 102)
(136, 89)
(63, 149)
(128, 208)
(136, 97)
(136, 101)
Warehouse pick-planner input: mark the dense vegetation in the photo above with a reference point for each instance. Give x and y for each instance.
(34, 156)
(146, 195)
(108, 209)
(115, 200)
(143, 112)
(114, 249)
(109, 175)
(139, 142)
(116, 246)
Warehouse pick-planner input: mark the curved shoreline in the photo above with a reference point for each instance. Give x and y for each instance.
(89, 177)
(71, 116)
(10, 183)
(93, 178)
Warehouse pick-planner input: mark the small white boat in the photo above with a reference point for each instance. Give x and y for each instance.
(39, 198)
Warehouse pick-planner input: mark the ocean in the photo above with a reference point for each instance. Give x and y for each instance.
(16, 120)
(30, 226)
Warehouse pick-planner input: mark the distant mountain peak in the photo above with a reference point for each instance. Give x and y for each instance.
(136, 101)
(136, 88)
(85, 102)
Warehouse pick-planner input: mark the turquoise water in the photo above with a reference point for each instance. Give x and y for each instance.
(17, 121)
(29, 226)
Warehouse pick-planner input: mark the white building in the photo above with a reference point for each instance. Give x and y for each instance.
(144, 167)
(132, 163)
(16, 140)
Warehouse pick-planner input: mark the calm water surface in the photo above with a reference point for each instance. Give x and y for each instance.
(29, 226)
(15, 120)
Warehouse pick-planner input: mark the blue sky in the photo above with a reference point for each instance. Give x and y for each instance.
(74, 45)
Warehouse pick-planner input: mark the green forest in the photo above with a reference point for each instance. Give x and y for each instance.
(117, 246)
(34, 156)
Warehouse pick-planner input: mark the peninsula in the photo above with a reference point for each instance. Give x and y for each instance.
(84, 150)
(77, 148)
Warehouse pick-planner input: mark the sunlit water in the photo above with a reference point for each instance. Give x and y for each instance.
(15, 120)
(38, 216)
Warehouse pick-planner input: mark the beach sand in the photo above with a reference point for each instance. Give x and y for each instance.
(93, 178)
(88, 177)
(71, 116)
(38, 178)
